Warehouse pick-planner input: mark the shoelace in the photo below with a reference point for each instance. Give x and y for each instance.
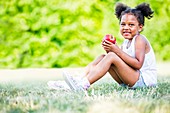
(78, 85)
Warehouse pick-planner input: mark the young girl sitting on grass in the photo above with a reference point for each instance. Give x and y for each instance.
(133, 65)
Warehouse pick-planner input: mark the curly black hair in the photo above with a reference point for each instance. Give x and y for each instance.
(140, 11)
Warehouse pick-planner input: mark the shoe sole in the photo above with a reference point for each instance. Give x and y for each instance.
(52, 85)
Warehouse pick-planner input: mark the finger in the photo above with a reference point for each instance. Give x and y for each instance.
(102, 41)
(106, 41)
(106, 48)
(105, 44)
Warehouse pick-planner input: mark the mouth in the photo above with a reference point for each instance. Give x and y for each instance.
(126, 33)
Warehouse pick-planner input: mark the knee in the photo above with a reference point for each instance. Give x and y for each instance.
(96, 61)
(102, 56)
(112, 56)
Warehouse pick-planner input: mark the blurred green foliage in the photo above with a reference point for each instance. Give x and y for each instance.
(61, 33)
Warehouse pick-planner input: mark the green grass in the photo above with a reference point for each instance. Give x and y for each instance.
(105, 96)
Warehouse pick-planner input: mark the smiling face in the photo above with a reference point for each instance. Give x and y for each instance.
(129, 26)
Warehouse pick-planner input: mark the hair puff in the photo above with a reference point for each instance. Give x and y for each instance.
(145, 10)
(119, 9)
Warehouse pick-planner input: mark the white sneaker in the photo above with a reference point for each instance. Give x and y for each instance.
(62, 85)
(76, 84)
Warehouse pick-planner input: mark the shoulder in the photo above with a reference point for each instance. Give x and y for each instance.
(141, 42)
(141, 39)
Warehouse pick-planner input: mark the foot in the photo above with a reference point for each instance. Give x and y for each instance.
(76, 84)
(58, 85)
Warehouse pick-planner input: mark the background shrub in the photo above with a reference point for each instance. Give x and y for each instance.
(62, 33)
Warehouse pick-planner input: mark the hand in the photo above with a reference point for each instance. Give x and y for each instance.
(109, 47)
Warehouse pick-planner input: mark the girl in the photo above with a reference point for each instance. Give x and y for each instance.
(133, 65)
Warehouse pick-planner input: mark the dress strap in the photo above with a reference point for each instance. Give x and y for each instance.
(133, 45)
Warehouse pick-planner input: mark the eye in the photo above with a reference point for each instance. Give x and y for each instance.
(131, 25)
(122, 24)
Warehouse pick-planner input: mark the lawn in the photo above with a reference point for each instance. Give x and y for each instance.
(105, 96)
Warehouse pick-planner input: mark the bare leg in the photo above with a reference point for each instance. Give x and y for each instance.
(125, 73)
(114, 74)
(93, 64)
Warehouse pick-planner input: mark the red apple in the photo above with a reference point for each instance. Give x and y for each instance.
(110, 38)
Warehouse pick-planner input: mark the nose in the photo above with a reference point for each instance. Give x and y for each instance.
(126, 27)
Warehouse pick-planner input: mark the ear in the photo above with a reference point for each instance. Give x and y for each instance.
(140, 27)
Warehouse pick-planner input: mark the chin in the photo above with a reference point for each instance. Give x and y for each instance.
(127, 37)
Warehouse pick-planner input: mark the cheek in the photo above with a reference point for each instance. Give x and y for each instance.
(135, 30)
(121, 29)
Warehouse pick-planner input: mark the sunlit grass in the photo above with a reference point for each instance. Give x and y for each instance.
(105, 96)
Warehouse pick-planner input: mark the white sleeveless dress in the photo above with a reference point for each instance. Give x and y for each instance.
(148, 70)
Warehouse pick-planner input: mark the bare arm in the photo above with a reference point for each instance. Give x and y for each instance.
(136, 62)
